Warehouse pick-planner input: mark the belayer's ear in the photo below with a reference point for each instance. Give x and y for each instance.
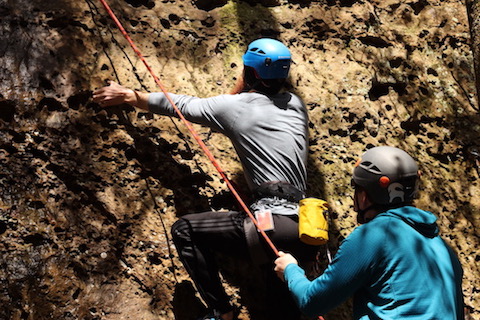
(362, 196)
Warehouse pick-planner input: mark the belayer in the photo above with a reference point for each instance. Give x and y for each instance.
(395, 265)
(268, 128)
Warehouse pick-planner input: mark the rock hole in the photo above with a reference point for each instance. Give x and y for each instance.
(208, 22)
(9, 148)
(3, 227)
(174, 18)
(165, 23)
(36, 239)
(339, 132)
(374, 41)
(432, 72)
(423, 34)
(155, 258)
(18, 137)
(270, 33)
(378, 90)
(347, 3)
(418, 6)
(424, 91)
(411, 126)
(51, 103)
(400, 88)
(395, 63)
(59, 22)
(7, 110)
(208, 5)
(137, 3)
(76, 293)
(75, 101)
(432, 135)
(58, 229)
(37, 204)
(45, 83)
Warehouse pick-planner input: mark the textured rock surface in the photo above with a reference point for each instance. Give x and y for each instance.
(87, 195)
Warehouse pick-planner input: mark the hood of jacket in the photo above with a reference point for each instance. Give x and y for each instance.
(423, 221)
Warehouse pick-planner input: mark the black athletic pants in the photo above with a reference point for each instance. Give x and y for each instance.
(198, 236)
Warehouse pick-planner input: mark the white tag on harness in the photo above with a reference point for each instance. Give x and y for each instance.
(264, 219)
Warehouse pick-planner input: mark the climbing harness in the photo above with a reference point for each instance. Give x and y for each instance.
(189, 127)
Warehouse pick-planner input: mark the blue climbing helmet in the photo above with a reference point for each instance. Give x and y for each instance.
(270, 58)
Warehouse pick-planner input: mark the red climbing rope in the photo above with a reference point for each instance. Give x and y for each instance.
(189, 126)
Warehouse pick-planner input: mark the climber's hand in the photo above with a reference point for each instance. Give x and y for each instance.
(114, 94)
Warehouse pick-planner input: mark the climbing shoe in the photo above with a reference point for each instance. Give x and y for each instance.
(216, 315)
(210, 316)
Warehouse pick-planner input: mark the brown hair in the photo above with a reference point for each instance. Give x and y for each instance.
(249, 81)
(240, 85)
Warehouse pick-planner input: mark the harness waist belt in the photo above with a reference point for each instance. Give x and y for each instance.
(279, 189)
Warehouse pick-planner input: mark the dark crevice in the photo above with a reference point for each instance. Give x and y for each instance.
(380, 89)
(7, 110)
(138, 3)
(374, 41)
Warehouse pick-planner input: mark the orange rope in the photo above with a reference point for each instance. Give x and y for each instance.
(190, 127)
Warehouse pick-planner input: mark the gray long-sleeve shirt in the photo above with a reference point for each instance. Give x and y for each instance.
(269, 133)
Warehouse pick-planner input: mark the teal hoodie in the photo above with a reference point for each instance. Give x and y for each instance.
(395, 266)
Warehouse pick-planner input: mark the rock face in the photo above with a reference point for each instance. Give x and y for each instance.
(87, 195)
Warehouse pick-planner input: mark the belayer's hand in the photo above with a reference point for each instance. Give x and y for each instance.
(283, 260)
(114, 94)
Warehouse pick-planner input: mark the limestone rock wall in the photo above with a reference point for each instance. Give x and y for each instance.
(87, 195)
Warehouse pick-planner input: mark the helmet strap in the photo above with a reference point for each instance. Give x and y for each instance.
(379, 208)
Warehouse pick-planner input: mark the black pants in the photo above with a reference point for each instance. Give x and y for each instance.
(198, 236)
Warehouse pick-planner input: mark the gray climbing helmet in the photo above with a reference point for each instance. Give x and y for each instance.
(389, 175)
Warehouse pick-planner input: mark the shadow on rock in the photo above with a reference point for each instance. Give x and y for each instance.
(186, 305)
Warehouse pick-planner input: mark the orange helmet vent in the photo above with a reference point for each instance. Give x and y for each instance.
(384, 181)
(358, 162)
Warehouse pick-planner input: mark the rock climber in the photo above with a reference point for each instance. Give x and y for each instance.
(268, 127)
(395, 265)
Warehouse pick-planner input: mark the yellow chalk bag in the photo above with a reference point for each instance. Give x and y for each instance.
(312, 223)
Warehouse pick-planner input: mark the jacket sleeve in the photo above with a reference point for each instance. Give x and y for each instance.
(215, 112)
(349, 271)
